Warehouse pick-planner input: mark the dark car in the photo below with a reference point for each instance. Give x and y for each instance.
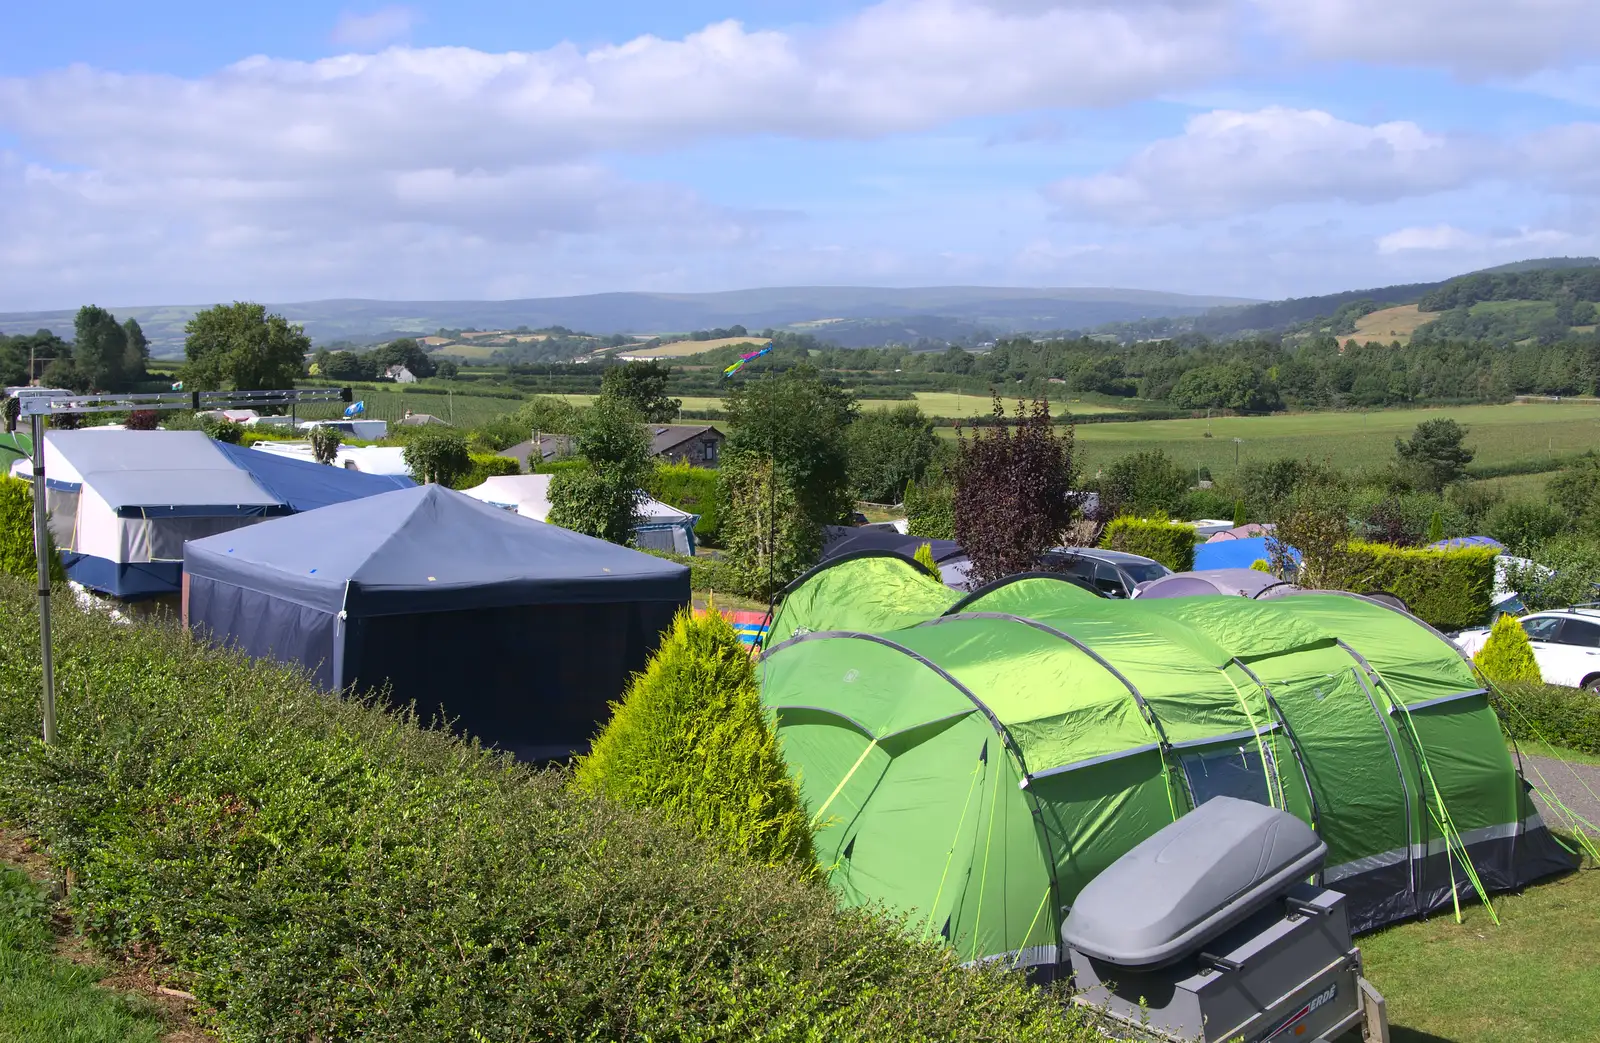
(1114, 573)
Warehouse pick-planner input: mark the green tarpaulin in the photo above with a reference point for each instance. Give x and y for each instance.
(973, 762)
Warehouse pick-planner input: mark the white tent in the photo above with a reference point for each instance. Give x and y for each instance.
(374, 459)
(661, 526)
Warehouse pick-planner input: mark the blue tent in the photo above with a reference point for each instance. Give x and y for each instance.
(1231, 554)
(517, 631)
(306, 486)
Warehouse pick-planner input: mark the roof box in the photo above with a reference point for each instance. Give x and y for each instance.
(1191, 881)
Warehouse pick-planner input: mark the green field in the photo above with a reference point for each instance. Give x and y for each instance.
(1499, 433)
(1531, 978)
(933, 403)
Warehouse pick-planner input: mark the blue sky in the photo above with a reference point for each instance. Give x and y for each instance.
(185, 152)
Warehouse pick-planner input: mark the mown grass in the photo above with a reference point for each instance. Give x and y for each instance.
(1533, 978)
(47, 999)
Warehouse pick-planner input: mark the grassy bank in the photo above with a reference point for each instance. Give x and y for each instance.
(316, 868)
(1531, 978)
(45, 998)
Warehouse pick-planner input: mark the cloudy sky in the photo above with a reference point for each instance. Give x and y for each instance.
(178, 151)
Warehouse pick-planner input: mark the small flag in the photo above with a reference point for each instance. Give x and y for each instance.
(355, 408)
(737, 366)
(178, 386)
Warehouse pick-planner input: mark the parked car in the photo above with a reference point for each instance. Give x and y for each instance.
(1114, 573)
(1566, 645)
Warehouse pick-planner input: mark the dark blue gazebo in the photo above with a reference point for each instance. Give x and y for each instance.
(518, 631)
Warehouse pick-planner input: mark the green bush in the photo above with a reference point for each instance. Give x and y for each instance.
(484, 467)
(1167, 542)
(1566, 717)
(690, 739)
(692, 489)
(924, 557)
(17, 555)
(931, 510)
(1449, 589)
(319, 868)
(1507, 656)
(1204, 503)
(1261, 565)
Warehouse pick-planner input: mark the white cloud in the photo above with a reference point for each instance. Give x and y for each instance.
(1475, 39)
(382, 26)
(1229, 162)
(1447, 237)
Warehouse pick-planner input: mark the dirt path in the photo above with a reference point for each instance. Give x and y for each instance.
(1575, 785)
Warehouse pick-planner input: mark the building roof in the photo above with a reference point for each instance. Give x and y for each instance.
(665, 437)
(421, 419)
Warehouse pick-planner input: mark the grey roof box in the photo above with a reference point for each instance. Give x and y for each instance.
(1190, 882)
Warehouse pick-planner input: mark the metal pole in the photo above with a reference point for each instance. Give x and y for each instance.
(41, 551)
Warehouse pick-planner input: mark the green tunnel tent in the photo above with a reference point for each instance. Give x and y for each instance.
(974, 769)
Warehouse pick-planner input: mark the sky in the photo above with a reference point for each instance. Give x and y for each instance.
(180, 152)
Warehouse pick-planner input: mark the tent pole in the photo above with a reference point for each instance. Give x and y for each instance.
(41, 550)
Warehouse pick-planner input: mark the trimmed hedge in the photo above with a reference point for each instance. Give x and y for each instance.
(486, 466)
(1168, 542)
(690, 738)
(1451, 589)
(711, 575)
(692, 489)
(1565, 717)
(313, 868)
(17, 555)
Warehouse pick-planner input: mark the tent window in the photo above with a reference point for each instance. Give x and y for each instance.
(1234, 771)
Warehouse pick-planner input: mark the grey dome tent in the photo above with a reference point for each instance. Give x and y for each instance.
(1246, 583)
(521, 632)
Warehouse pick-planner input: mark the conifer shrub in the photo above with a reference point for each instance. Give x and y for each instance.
(17, 556)
(924, 557)
(1507, 656)
(690, 739)
(1165, 541)
(317, 868)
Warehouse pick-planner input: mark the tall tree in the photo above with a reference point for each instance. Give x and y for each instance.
(138, 351)
(889, 449)
(1014, 494)
(602, 499)
(644, 386)
(799, 421)
(99, 349)
(241, 347)
(1143, 483)
(1434, 455)
(403, 352)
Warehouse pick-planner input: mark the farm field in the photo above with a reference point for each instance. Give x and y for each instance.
(1499, 433)
(933, 403)
(1389, 324)
(467, 410)
(685, 348)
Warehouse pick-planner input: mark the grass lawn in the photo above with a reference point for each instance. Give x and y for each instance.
(1533, 978)
(46, 999)
(1519, 486)
(1542, 749)
(1499, 434)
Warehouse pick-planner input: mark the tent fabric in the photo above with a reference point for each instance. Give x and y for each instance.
(1457, 542)
(518, 632)
(1238, 553)
(840, 540)
(661, 526)
(1240, 532)
(1030, 734)
(306, 486)
(1247, 583)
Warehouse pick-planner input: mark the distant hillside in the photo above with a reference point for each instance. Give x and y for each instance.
(857, 316)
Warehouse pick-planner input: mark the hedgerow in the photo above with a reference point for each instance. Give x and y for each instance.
(17, 554)
(322, 869)
(1450, 589)
(1168, 542)
(1566, 717)
(693, 489)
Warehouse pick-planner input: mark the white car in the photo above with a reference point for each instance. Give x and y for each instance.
(1566, 645)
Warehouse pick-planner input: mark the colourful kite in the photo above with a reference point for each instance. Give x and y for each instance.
(737, 366)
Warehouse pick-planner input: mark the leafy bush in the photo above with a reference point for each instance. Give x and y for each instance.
(1261, 565)
(1507, 655)
(1566, 717)
(1449, 589)
(1556, 574)
(17, 555)
(889, 448)
(602, 500)
(319, 868)
(486, 466)
(325, 441)
(1168, 542)
(767, 538)
(1522, 525)
(931, 510)
(692, 489)
(437, 455)
(142, 420)
(1204, 503)
(690, 739)
(1144, 483)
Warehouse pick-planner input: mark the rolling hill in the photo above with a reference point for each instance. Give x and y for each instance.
(854, 316)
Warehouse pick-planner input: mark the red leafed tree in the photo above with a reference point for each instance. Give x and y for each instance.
(1014, 493)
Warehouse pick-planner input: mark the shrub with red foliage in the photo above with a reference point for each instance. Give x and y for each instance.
(142, 420)
(1014, 493)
